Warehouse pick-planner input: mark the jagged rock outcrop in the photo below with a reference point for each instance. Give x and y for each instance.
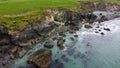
(5, 38)
(41, 58)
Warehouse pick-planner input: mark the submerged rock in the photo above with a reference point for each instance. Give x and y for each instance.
(41, 58)
(72, 38)
(49, 44)
(60, 43)
(56, 64)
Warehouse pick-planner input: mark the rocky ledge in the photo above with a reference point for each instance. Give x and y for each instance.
(41, 58)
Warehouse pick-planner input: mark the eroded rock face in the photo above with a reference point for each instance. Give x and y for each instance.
(3, 30)
(41, 58)
(4, 36)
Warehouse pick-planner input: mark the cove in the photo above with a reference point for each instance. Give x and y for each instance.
(88, 50)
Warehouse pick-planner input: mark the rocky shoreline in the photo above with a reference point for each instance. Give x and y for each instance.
(56, 21)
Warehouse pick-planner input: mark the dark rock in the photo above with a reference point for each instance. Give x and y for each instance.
(99, 30)
(100, 14)
(62, 34)
(5, 38)
(88, 26)
(71, 31)
(55, 38)
(98, 27)
(96, 32)
(107, 29)
(103, 18)
(60, 43)
(91, 18)
(49, 44)
(72, 38)
(102, 33)
(41, 58)
(75, 35)
(3, 30)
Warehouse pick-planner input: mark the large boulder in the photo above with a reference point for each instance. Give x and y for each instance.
(41, 58)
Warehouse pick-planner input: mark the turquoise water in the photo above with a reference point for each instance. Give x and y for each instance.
(88, 50)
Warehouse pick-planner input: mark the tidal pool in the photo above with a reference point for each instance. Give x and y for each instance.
(89, 50)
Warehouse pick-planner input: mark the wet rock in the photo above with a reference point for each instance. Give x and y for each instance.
(49, 44)
(107, 29)
(71, 31)
(98, 27)
(96, 32)
(102, 33)
(72, 38)
(41, 58)
(54, 38)
(88, 26)
(91, 17)
(103, 18)
(99, 30)
(62, 34)
(75, 35)
(60, 43)
(100, 14)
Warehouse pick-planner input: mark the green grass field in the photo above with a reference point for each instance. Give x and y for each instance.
(20, 6)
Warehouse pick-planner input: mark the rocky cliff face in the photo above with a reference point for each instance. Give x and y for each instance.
(42, 27)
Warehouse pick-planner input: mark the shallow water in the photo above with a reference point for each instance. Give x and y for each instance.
(88, 50)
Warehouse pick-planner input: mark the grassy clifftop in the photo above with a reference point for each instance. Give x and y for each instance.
(20, 6)
(13, 13)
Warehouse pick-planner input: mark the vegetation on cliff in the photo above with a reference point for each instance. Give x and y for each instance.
(15, 13)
